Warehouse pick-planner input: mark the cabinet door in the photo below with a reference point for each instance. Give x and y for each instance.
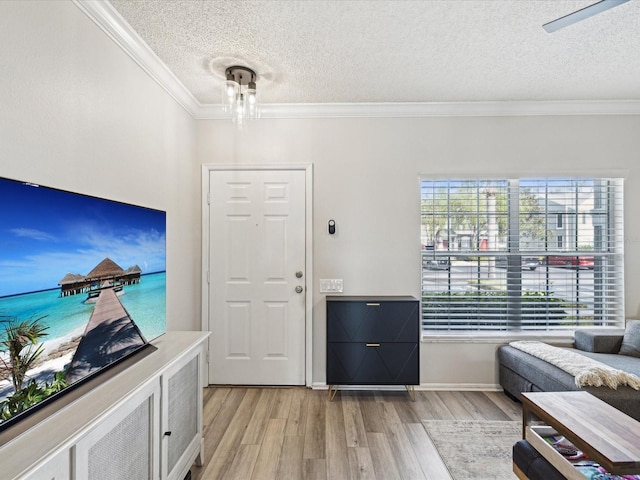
(56, 468)
(381, 364)
(375, 321)
(181, 417)
(124, 445)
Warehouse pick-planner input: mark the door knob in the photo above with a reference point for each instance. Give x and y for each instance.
(299, 274)
(299, 289)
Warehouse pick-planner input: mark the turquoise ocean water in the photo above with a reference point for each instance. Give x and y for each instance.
(145, 302)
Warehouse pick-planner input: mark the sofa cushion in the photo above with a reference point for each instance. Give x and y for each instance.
(631, 340)
(615, 360)
(598, 340)
(541, 376)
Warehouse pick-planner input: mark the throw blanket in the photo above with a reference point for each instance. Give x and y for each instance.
(587, 371)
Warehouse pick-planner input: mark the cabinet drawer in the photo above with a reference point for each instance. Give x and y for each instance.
(372, 321)
(373, 364)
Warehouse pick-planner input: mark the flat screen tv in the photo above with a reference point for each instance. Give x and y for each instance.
(82, 287)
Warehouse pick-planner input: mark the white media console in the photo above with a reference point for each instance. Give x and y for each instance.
(145, 422)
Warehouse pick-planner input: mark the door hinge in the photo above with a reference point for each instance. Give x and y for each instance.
(208, 198)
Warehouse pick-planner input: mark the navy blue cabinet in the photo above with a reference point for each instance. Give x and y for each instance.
(373, 341)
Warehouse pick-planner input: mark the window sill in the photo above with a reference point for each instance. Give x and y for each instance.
(496, 337)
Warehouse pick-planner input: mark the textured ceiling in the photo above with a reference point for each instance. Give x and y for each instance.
(395, 51)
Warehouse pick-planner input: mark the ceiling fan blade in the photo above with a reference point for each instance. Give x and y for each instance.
(581, 14)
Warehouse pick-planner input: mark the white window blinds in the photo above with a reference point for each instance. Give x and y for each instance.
(522, 254)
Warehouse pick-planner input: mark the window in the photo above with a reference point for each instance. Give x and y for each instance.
(493, 259)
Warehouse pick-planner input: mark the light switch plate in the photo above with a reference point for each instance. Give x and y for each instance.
(331, 285)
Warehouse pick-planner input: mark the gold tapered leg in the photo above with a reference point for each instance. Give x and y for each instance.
(411, 391)
(332, 392)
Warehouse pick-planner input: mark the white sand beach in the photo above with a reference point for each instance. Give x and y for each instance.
(59, 344)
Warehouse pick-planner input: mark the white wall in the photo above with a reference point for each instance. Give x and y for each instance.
(76, 113)
(366, 178)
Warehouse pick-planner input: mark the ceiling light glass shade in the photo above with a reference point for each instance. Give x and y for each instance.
(252, 102)
(239, 98)
(239, 114)
(253, 112)
(230, 94)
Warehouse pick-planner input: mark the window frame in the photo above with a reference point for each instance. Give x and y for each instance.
(514, 257)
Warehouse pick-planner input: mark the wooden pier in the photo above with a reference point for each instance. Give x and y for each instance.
(110, 335)
(108, 310)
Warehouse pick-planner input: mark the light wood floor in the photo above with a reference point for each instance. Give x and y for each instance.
(297, 434)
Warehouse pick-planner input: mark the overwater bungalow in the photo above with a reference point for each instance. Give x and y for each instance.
(132, 275)
(107, 274)
(73, 284)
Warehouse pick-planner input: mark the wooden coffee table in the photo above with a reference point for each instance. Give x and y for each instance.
(604, 433)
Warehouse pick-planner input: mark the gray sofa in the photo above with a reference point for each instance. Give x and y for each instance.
(521, 372)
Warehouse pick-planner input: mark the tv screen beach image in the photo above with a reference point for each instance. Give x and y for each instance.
(82, 286)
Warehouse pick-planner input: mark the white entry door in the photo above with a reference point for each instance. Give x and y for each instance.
(257, 278)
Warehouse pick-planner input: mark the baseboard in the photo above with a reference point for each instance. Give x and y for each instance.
(449, 387)
(461, 387)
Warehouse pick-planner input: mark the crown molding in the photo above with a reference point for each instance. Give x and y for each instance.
(103, 14)
(116, 27)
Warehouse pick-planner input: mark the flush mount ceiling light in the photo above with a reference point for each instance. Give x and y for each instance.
(240, 97)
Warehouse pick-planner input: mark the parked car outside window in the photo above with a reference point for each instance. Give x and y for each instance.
(530, 263)
(431, 262)
(570, 262)
(436, 263)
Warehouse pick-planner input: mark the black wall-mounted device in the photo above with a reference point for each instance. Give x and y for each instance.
(332, 227)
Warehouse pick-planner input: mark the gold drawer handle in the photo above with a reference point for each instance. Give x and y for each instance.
(373, 344)
(373, 304)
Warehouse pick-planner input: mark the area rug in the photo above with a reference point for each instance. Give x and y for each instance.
(475, 449)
